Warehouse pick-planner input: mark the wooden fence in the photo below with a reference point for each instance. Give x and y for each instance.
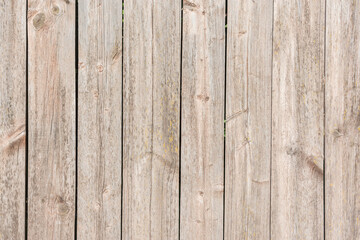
(170, 119)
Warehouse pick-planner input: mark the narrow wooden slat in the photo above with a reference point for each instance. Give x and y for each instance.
(248, 125)
(12, 118)
(342, 171)
(99, 119)
(151, 119)
(202, 126)
(298, 121)
(51, 49)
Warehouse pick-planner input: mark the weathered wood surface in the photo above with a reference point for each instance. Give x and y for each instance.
(99, 120)
(298, 120)
(248, 120)
(12, 118)
(202, 125)
(151, 119)
(342, 185)
(287, 89)
(51, 61)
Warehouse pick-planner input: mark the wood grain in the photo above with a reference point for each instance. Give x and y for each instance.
(151, 119)
(99, 120)
(342, 186)
(298, 120)
(51, 49)
(202, 125)
(248, 120)
(12, 118)
(289, 83)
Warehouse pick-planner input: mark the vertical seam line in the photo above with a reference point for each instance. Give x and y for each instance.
(324, 123)
(224, 139)
(122, 116)
(180, 109)
(26, 120)
(76, 113)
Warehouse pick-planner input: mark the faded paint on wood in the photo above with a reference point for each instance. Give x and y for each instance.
(342, 186)
(202, 125)
(99, 120)
(51, 49)
(12, 118)
(248, 120)
(298, 121)
(151, 119)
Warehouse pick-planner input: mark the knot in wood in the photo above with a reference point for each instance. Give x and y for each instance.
(39, 21)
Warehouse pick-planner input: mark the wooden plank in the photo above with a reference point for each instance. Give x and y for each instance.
(342, 172)
(298, 121)
(202, 135)
(248, 125)
(99, 120)
(51, 49)
(12, 118)
(151, 119)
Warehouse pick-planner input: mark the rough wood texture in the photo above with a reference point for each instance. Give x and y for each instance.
(292, 106)
(202, 136)
(51, 41)
(99, 120)
(12, 118)
(297, 113)
(248, 120)
(151, 119)
(342, 186)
